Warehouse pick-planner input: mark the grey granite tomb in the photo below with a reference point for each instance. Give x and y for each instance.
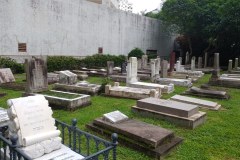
(182, 114)
(149, 139)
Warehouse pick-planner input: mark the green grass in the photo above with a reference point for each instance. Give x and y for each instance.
(217, 139)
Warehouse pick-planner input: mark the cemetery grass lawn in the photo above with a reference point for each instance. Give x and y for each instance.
(217, 139)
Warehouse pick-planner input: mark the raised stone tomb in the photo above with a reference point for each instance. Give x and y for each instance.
(129, 92)
(177, 82)
(149, 139)
(80, 87)
(181, 114)
(201, 103)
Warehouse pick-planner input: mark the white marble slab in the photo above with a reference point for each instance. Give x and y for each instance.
(115, 117)
(6, 75)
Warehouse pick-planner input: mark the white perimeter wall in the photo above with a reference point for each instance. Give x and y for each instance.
(76, 28)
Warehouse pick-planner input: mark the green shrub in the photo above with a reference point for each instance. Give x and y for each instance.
(57, 63)
(11, 63)
(136, 53)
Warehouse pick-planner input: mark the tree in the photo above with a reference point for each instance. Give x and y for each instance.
(209, 25)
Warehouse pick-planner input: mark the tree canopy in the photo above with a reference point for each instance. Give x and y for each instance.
(209, 25)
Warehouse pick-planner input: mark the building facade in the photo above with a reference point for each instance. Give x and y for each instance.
(76, 28)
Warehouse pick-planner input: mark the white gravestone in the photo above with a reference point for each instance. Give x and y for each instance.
(31, 120)
(132, 70)
(6, 75)
(67, 77)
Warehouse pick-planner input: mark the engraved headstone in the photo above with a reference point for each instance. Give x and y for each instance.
(36, 72)
(193, 63)
(205, 59)
(199, 62)
(164, 69)
(6, 75)
(230, 65)
(172, 61)
(115, 117)
(124, 67)
(144, 61)
(132, 70)
(216, 71)
(236, 63)
(110, 66)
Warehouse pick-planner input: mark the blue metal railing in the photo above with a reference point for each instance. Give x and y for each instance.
(88, 145)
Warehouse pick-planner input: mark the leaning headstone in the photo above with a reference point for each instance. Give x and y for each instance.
(230, 65)
(36, 72)
(144, 61)
(199, 62)
(110, 66)
(164, 69)
(193, 65)
(236, 63)
(67, 77)
(132, 70)
(6, 75)
(205, 59)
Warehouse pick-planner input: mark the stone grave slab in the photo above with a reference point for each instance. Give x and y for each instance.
(177, 82)
(149, 139)
(201, 103)
(207, 93)
(168, 106)
(182, 114)
(130, 92)
(6, 76)
(227, 82)
(81, 75)
(80, 87)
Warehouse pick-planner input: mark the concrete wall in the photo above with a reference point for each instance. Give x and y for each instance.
(76, 28)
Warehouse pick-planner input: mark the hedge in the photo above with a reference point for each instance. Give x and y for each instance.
(12, 64)
(57, 63)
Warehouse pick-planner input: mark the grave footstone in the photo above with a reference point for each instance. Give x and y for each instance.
(6, 76)
(36, 73)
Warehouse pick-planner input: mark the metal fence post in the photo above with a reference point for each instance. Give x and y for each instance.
(114, 143)
(14, 139)
(74, 127)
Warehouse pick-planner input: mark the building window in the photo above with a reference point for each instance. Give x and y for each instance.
(22, 47)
